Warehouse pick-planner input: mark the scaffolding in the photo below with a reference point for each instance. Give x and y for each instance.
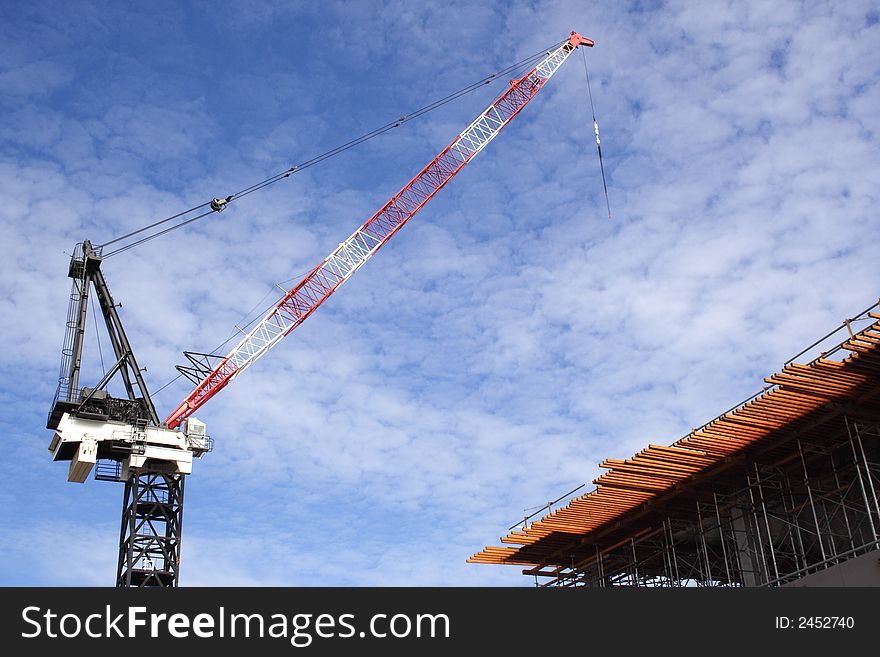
(815, 508)
(781, 486)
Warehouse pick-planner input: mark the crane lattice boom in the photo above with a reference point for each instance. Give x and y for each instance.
(301, 301)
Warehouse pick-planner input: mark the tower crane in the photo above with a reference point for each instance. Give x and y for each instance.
(153, 457)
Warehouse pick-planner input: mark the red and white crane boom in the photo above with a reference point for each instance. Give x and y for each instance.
(301, 301)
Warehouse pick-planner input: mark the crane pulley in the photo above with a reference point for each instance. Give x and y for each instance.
(309, 293)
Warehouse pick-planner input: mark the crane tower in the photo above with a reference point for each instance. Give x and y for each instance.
(91, 425)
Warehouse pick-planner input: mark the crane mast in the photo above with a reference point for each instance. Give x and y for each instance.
(307, 295)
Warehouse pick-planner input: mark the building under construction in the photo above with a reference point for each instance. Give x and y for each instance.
(780, 490)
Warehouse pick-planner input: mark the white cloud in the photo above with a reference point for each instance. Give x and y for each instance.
(511, 336)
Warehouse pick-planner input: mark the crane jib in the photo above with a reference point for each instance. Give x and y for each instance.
(307, 295)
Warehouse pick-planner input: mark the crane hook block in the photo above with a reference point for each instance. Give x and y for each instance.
(219, 204)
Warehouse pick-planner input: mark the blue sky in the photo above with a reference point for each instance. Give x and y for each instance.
(506, 341)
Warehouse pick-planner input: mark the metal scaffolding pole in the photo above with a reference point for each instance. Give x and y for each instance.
(853, 432)
(721, 539)
(841, 493)
(798, 549)
(810, 498)
(770, 544)
(708, 572)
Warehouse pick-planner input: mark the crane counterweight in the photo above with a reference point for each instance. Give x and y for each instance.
(83, 441)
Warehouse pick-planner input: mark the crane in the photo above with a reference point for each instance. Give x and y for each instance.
(322, 281)
(153, 457)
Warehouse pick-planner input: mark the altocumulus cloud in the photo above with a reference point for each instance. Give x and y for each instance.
(507, 340)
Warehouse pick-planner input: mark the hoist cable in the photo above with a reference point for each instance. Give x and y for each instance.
(596, 130)
(152, 225)
(218, 204)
